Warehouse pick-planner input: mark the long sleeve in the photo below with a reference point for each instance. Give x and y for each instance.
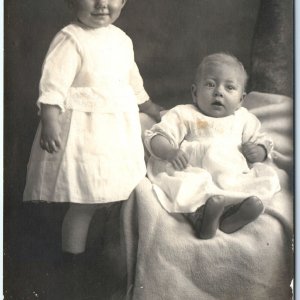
(59, 70)
(252, 133)
(172, 127)
(135, 79)
(137, 84)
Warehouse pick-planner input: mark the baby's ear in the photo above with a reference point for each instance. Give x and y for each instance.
(243, 97)
(241, 100)
(123, 2)
(194, 92)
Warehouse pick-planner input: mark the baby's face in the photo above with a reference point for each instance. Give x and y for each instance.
(219, 91)
(98, 13)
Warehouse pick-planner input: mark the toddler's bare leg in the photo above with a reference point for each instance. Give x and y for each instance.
(75, 227)
(244, 213)
(213, 210)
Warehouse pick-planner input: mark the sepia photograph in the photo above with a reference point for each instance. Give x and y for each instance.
(149, 150)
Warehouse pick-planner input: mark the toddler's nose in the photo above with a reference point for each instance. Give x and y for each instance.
(100, 3)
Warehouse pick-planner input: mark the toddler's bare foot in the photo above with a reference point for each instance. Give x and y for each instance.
(246, 212)
(213, 210)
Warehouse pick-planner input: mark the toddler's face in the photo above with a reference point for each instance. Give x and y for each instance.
(98, 13)
(219, 90)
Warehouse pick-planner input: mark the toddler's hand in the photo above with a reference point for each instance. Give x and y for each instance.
(151, 109)
(50, 136)
(253, 152)
(178, 159)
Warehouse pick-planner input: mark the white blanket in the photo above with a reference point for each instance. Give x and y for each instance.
(166, 261)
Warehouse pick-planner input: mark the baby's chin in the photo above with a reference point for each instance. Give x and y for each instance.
(216, 112)
(219, 115)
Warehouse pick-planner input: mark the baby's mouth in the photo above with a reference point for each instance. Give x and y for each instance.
(217, 103)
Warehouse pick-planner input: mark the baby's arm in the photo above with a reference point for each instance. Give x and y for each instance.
(151, 109)
(162, 148)
(256, 145)
(164, 139)
(50, 135)
(253, 152)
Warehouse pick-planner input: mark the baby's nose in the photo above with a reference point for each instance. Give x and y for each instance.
(218, 91)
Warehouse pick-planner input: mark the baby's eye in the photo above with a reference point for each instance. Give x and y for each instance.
(231, 87)
(209, 84)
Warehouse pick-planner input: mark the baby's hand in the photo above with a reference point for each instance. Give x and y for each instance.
(50, 136)
(178, 159)
(253, 152)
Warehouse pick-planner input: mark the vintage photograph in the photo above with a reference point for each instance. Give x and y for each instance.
(148, 150)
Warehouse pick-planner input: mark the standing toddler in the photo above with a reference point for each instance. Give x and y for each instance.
(88, 150)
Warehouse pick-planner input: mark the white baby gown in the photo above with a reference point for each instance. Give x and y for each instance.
(92, 76)
(216, 164)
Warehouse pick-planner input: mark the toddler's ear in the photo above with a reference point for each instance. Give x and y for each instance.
(71, 4)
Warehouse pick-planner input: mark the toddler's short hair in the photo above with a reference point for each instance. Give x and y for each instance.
(223, 58)
(69, 2)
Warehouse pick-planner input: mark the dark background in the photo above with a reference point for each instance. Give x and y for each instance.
(170, 38)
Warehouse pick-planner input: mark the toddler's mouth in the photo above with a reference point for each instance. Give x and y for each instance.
(99, 14)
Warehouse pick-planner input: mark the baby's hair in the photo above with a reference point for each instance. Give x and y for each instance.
(223, 58)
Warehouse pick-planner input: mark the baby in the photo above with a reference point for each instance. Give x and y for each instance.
(207, 159)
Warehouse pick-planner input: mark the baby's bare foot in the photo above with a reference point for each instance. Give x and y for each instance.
(213, 210)
(246, 212)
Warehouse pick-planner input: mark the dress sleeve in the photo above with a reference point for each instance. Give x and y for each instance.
(252, 133)
(137, 84)
(172, 127)
(60, 67)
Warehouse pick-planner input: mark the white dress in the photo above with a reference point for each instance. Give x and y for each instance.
(92, 76)
(216, 165)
